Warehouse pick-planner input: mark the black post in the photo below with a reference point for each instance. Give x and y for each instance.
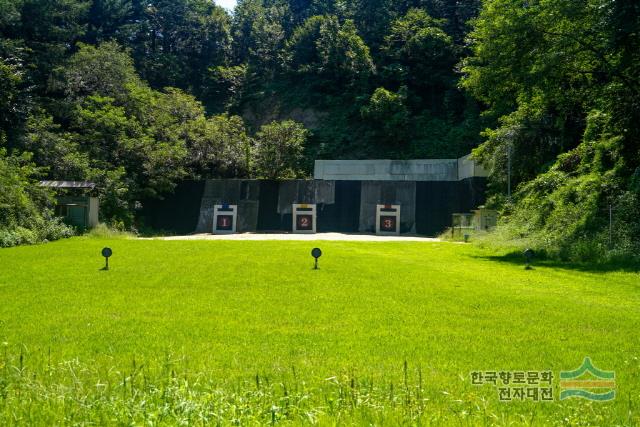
(316, 253)
(106, 253)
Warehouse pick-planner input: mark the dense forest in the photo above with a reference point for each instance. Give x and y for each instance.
(137, 96)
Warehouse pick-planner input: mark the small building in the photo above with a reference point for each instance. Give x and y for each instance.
(485, 219)
(75, 202)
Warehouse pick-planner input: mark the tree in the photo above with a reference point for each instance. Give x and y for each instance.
(373, 18)
(14, 100)
(50, 29)
(536, 68)
(219, 147)
(456, 15)
(110, 20)
(224, 87)
(301, 10)
(130, 139)
(420, 55)
(266, 42)
(387, 115)
(563, 91)
(55, 148)
(177, 41)
(325, 48)
(85, 85)
(245, 14)
(9, 15)
(279, 150)
(105, 70)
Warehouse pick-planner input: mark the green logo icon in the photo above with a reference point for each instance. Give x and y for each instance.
(588, 382)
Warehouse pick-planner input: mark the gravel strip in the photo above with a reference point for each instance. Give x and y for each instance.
(306, 237)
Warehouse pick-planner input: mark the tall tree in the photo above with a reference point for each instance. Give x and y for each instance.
(178, 41)
(50, 29)
(110, 19)
(334, 52)
(420, 55)
(279, 150)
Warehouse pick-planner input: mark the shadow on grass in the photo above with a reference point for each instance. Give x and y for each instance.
(517, 259)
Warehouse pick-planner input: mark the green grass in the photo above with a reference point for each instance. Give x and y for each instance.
(247, 333)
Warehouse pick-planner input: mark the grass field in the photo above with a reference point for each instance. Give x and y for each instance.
(248, 333)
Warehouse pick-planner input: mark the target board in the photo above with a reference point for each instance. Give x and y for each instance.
(304, 219)
(224, 219)
(388, 220)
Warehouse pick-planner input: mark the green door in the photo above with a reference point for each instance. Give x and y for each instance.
(76, 215)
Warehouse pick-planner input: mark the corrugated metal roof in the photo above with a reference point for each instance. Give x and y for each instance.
(68, 184)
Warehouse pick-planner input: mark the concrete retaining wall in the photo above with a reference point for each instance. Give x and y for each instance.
(398, 170)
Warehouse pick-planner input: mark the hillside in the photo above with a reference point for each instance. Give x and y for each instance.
(137, 96)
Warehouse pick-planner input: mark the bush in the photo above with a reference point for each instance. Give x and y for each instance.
(565, 211)
(25, 216)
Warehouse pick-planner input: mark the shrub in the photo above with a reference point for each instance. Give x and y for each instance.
(25, 216)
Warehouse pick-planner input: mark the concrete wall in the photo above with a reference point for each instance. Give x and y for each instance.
(94, 208)
(176, 213)
(468, 168)
(398, 170)
(438, 189)
(304, 191)
(343, 206)
(388, 193)
(244, 193)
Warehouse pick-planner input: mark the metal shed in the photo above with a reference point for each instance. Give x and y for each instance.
(77, 206)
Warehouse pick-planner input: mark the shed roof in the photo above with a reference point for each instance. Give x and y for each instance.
(68, 184)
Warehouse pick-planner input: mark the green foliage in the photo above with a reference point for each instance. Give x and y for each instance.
(323, 48)
(25, 217)
(9, 13)
(19, 200)
(49, 29)
(55, 148)
(109, 19)
(279, 150)
(548, 72)
(133, 141)
(83, 87)
(103, 70)
(225, 86)
(176, 42)
(387, 114)
(219, 147)
(564, 211)
(245, 14)
(420, 54)
(11, 96)
(373, 18)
